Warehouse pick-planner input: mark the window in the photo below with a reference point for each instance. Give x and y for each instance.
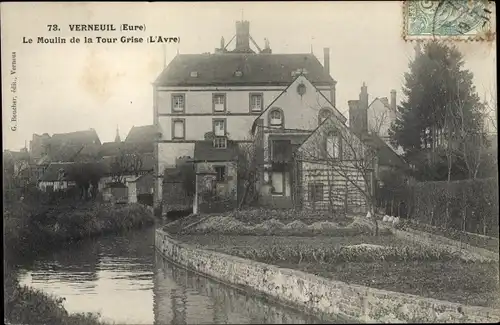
(324, 113)
(277, 179)
(178, 130)
(333, 145)
(219, 128)
(221, 173)
(276, 117)
(315, 192)
(219, 101)
(178, 103)
(220, 142)
(256, 102)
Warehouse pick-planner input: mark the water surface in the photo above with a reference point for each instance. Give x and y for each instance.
(123, 278)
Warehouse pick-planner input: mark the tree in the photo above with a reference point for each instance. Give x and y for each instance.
(125, 164)
(437, 88)
(86, 176)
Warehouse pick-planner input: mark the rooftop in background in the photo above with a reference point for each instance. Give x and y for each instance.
(77, 138)
(145, 133)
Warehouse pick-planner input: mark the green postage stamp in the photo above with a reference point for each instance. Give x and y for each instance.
(469, 20)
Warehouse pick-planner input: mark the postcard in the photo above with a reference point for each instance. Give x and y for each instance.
(250, 162)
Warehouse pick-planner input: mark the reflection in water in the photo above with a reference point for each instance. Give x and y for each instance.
(198, 300)
(128, 283)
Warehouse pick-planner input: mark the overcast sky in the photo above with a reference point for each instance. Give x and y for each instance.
(70, 87)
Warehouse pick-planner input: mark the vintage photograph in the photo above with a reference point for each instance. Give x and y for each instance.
(250, 162)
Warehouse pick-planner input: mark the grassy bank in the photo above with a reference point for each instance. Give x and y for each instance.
(476, 240)
(383, 262)
(32, 228)
(29, 229)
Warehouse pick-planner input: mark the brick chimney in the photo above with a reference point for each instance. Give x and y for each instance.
(243, 37)
(358, 112)
(393, 100)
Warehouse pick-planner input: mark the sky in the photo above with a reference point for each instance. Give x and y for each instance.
(70, 87)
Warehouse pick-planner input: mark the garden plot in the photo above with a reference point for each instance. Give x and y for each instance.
(382, 262)
(271, 222)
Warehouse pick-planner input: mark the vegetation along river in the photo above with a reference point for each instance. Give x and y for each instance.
(123, 278)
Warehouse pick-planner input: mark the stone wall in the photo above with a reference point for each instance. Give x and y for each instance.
(318, 295)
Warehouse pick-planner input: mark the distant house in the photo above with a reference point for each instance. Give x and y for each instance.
(57, 177)
(216, 176)
(145, 133)
(79, 146)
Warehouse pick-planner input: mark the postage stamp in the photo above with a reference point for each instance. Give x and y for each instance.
(469, 20)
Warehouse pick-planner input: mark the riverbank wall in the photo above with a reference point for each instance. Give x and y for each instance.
(316, 295)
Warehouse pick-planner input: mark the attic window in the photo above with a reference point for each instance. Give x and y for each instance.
(194, 74)
(238, 73)
(301, 89)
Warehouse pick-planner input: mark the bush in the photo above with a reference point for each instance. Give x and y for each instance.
(26, 228)
(472, 205)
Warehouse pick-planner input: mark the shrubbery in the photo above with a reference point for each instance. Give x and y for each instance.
(468, 205)
(28, 226)
(332, 254)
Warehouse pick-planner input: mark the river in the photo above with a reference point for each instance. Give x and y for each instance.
(123, 278)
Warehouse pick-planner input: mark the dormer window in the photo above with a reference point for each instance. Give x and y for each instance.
(194, 74)
(276, 117)
(238, 73)
(220, 142)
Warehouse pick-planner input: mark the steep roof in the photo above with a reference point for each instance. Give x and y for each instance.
(76, 138)
(386, 155)
(115, 148)
(205, 151)
(257, 69)
(64, 152)
(143, 133)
